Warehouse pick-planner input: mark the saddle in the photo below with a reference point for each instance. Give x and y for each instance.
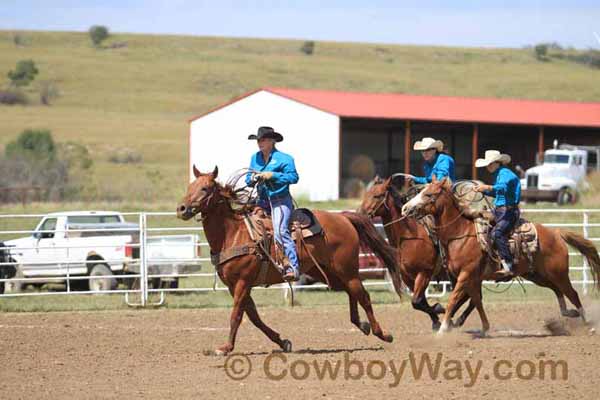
(303, 224)
(523, 240)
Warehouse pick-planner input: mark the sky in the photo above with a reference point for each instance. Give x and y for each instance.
(491, 23)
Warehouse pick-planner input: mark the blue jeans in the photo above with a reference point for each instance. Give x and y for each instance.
(281, 211)
(506, 218)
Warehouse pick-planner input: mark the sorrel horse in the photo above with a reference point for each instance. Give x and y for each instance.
(416, 253)
(336, 252)
(467, 261)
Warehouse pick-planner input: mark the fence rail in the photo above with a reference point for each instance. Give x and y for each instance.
(143, 264)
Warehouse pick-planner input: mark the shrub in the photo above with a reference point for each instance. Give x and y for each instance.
(98, 34)
(32, 144)
(48, 92)
(23, 74)
(18, 40)
(12, 97)
(125, 156)
(308, 47)
(541, 51)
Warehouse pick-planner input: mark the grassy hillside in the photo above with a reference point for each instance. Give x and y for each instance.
(141, 95)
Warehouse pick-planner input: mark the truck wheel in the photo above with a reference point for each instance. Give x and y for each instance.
(565, 196)
(102, 284)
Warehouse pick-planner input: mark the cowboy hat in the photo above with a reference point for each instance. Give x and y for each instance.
(266, 132)
(492, 156)
(428, 143)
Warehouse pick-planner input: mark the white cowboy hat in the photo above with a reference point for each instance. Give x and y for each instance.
(428, 143)
(490, 157)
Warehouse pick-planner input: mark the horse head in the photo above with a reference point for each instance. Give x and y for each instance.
(373, 202)
(431, 200)
(201, 196)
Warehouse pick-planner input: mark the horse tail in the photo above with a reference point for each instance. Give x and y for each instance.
(370, 238)
(589, 251)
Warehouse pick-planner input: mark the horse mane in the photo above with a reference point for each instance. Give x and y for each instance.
(235, 202)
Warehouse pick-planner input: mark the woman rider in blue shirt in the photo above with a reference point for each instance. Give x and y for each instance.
(275, 172)
(507, 192)
(436, 161)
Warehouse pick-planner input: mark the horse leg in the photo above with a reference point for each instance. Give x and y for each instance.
(457, 294)
(419, 300)
(540, 281)
(463, 317)
(252, 312)
(355, 318)
(563, 283)
(474, 291)
(240, 294)
(356, 290)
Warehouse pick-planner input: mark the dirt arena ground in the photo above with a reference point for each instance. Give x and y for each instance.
(163, 354)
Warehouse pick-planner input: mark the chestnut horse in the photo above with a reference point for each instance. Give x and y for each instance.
(468, 262)
(336, 252)
(416, 253)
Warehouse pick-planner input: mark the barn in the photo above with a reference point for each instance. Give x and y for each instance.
(340, 140)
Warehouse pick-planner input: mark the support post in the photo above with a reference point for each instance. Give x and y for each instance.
(540, 144)
(143, 262)
(586, 234)
(474, 150)
(407, 147)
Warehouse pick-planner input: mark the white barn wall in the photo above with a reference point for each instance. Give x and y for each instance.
(311, 136)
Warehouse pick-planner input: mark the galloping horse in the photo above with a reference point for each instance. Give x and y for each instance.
(467, 261)
(416, 253)
(336, 251)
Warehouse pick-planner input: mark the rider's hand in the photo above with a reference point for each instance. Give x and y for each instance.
(264, 176)
(482, 188)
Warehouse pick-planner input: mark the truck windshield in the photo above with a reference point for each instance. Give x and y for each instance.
(93, 219)
(556, 159)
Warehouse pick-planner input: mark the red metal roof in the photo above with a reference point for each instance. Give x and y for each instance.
(449, 109)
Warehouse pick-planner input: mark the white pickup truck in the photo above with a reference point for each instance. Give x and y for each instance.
(96, 243)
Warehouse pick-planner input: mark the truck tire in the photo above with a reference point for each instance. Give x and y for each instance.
(565, 196)
(102, 284)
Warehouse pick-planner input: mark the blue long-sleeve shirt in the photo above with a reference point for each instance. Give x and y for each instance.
(284, 174)
(442, 166)
(506, 188)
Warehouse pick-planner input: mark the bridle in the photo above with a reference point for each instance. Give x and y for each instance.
(383, 202)
(431, 200)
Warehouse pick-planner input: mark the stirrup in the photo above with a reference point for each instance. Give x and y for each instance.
(290, 275)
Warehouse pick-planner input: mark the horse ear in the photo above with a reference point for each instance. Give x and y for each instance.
(434, 178)
(215, 172)
(388, 181)
(195, 170)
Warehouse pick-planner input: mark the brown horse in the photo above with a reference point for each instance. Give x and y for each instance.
(336, 252)
(468, 262)
(416, 253)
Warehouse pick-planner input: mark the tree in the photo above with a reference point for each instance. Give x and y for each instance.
(541, 50)
(308, 47)
(98, 34)
(32, 144)
(23, 74)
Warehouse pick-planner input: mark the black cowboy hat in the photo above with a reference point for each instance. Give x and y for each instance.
(266, 132)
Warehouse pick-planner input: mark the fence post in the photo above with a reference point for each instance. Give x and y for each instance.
(143, 263)
(586, 221)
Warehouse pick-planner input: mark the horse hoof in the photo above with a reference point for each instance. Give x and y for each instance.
(439, 309)
(365, 328)
(571, 314)
(286, 346)
(387, 338)
(435, 326)
(220, 352)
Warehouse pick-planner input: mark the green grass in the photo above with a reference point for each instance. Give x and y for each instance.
(141, 96)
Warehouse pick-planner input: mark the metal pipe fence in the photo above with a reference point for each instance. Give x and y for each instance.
(145, 266)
